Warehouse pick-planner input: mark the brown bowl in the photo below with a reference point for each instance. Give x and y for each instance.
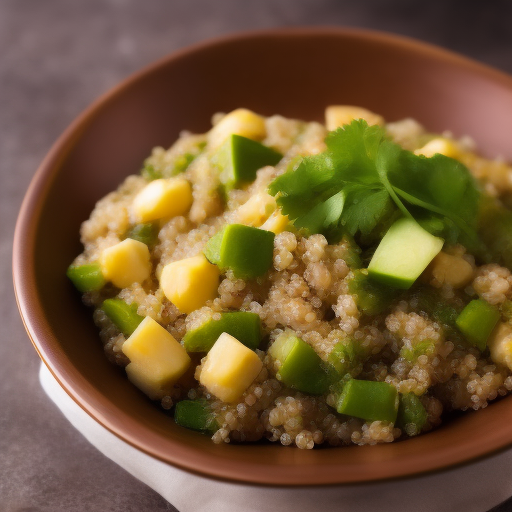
(296, 73)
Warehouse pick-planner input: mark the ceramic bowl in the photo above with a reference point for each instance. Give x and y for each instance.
(296, 73)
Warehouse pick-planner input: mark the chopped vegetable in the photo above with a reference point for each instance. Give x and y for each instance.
(368, 400)
(157, 360)
(411, 413)
(372, 297)
(86, 278)
(238, 122)
(229, 368)
(410, 352)
(403, 254)
(123, 315)
(440, 146)
(338, 115)
(495, 228)
(146, 233)
(353, 186)
(125, 263)
(196, 415)
(244, 326)
(500, 344)
(476, 321)
(300, 366)
(429, 302)
(246, 250)
(163, 198)
(453, 270)
(239, 158)
(190, 283)
(347, 355)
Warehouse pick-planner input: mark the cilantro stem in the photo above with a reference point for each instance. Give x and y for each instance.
(418, 202)
(391, 191)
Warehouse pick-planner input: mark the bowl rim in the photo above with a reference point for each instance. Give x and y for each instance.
(54, 357)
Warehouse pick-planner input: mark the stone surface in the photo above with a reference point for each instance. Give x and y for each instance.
(56, 57)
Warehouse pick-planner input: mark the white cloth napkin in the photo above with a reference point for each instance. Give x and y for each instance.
(475, 487)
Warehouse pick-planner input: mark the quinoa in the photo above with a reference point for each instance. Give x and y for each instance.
(307, 291)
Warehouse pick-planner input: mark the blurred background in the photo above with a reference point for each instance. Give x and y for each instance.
(56, 57)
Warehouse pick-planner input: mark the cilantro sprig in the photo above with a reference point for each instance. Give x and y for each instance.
(363, 181)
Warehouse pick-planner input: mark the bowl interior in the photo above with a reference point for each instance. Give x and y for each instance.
(296, 73)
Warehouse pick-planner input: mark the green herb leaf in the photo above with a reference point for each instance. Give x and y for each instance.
(362, 178)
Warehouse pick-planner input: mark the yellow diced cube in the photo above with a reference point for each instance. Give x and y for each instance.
(277, 222)
(443, 146)
(126, 263)
(238, 122)
(229, 368)
(338, 115)
(163, 198)
(256, 210)
(190, 283)
(157, 360)
(500, 344)
(449, 269)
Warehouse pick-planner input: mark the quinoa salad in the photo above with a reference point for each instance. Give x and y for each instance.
(307, 283)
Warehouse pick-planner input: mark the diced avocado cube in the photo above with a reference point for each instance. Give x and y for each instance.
(368, 400)
(301, 367)
(346, 356)
(86, 278)
(246, 250)
(146, 233)
(196, 415)
(411, 411)
(239, 158)
(476, 321)
(123, 315)
(403, 254)
(244, 326)
(372, 297)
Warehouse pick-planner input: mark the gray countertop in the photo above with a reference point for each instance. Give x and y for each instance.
(56, 57)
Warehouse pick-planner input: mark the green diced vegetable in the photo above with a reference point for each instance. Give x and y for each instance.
(403, 254)
(429, 302)
(244, 326)
(123, 315)
(424, 347)
(150, 172)
(86, 278)
(182, 162)
(368, 400)
(495, 229)
(372, 297)
(196, 415)
(239, 158)
(352, 256)
(346, 356)
(146, 233)
(477, 321)
(301, 367)
(411, 411)
(247, 251)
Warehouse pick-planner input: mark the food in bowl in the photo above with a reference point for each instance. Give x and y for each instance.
(307, 283)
